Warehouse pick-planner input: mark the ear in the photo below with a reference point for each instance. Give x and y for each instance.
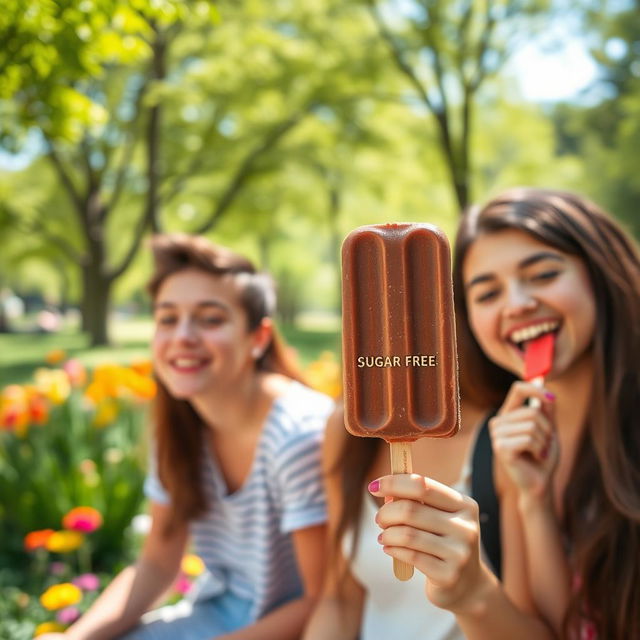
(262, 336)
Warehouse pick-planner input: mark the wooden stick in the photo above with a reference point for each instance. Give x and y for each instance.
(401, 463)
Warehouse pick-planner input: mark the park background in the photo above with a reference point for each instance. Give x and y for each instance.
(271, 127)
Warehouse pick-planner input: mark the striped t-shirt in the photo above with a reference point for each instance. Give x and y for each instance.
(244, 538)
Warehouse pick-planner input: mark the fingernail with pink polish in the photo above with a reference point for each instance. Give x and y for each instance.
(374, 486)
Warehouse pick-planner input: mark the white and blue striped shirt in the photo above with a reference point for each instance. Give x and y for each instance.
(244, 538)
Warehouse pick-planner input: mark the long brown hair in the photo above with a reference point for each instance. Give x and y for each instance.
(602, 498)
(177, 426)
(351, 468)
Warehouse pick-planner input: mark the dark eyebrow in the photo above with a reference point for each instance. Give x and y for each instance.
(538, 257)
(200, 305)
(523, 264)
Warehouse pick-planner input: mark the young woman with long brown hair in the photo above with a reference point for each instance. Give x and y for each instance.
(236, 462)
(566, 473)
(529, 262)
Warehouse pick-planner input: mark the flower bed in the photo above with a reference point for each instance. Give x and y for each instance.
(72, 459)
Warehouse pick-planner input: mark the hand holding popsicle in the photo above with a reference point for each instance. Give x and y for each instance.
(435, 528)
(523, 432)
(398, 337)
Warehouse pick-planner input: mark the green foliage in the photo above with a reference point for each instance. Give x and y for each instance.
(605, 133)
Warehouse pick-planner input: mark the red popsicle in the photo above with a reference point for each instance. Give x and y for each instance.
(538, 359)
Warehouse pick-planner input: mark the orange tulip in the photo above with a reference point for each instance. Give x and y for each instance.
(55, 356)
(143, 367)
(37, 539)
(14, 409)
(38, 409)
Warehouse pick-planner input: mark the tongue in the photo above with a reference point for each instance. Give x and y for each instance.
(538, 356)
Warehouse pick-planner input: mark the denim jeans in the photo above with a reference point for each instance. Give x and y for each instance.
(202, 620)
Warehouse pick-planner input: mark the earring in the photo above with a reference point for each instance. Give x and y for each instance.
(256, 352)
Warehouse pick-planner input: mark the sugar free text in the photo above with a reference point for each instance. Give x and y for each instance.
(397, 361)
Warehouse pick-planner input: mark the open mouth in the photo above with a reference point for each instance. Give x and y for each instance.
(520, 337)
(188, 364)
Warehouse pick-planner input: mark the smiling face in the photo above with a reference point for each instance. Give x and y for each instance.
(517, 288)
(202, 342)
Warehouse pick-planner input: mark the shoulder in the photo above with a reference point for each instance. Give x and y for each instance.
(302, 409)
(297, 421)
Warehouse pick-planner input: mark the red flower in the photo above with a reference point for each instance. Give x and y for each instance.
(84, 519)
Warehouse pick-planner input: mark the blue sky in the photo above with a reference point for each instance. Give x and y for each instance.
(555, 65)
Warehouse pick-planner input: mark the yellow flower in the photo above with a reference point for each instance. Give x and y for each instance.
(60, 596)
(106, 412)
(103, 384)
(142, 387)
(324, 374)
(143, 367)
(55, 356)
(48, 627)
(53, 383)
(192, 565)
(64, 541)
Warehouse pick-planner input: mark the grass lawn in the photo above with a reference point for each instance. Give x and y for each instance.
(22, 353)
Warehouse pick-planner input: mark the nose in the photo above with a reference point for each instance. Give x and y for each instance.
(185, 331)
(519, 300)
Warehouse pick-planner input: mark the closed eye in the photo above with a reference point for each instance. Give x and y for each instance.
(545, 275)
(211, 321)
(486, 296)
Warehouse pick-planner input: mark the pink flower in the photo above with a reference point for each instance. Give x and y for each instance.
(83, 519)
(75, 371)
(182, 584)
(57, 568)
(68, 615)
(87, 582)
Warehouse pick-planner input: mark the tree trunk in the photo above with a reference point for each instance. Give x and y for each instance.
(96, 281)
(96, 295)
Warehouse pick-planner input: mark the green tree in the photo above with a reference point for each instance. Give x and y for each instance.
(606, 131)
(446, 51)
(125, 139)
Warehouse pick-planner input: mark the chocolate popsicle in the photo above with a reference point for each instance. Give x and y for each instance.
(398, 339)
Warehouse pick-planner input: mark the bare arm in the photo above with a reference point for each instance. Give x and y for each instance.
(136, 588)
(547, 560)
(338, 613)
(526, 447)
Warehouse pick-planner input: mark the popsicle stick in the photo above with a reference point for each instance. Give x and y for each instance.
(401, 463)
(535, 402)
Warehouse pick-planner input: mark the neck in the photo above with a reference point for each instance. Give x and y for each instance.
(226, 409)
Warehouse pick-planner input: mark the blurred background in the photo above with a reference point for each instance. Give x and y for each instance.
(271, 127)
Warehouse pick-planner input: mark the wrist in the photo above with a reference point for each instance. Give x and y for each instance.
(535, 503)
(477, 601)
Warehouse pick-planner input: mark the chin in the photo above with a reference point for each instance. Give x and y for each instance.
(182, 391)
